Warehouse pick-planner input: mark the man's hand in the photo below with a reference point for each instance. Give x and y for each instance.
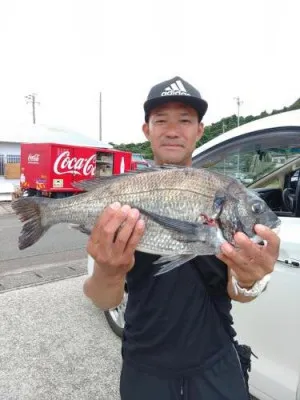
(114, 238)
(112, 245)
(251, 262)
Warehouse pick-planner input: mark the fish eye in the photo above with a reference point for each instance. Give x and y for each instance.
(258, 208)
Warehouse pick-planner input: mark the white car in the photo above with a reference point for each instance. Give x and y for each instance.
(265, 156)
(269, 155)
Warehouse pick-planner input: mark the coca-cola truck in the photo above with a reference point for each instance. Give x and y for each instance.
(49, 169)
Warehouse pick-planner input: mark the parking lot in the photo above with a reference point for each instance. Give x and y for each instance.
(55, 344)
(5, 207)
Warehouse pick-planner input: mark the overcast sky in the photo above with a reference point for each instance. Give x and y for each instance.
(67, 51)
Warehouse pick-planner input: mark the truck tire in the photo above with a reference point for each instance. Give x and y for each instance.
(29, 193)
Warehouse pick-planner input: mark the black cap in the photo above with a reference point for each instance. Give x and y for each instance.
(175, 89)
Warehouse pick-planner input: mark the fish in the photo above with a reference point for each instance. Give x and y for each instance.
(188, 211)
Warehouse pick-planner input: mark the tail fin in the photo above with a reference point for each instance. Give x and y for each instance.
(30, 211)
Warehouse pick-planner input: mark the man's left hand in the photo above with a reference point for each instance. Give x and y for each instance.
(251, 262)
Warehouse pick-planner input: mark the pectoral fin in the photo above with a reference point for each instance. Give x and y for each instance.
(80, 228)
(219, 201)
(171, 262)
(194, 231)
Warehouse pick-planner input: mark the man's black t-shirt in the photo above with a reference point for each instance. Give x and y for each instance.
(172, 326)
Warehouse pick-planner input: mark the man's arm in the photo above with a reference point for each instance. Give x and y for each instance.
(251, 262)
(105, 292)
(112, 245)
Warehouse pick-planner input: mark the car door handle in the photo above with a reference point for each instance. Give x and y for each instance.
(294, 263)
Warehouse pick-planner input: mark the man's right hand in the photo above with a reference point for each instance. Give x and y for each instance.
(114, 239)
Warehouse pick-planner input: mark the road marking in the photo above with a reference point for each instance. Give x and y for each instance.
(41, 274)
(2, 227)
(46, 266)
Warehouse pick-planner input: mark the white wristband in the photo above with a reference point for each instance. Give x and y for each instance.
(256, 289)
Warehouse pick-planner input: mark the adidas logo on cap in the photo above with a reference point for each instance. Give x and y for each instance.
(168, 90)
(175, 88)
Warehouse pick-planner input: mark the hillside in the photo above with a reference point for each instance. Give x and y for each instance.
(210, 131)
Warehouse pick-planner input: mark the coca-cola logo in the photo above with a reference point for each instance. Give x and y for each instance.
(64, 164)
(33, 158)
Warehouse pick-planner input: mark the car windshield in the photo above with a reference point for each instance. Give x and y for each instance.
(141, 166)
(250, 166)
(137, 157)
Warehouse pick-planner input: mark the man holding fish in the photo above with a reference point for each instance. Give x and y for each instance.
(186, 241)
(175, 344)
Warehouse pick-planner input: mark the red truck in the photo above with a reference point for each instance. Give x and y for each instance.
(49, 169)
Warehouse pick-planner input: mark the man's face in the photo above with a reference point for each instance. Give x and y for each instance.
(173, 131)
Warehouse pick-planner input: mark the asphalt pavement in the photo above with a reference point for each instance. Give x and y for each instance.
(60, 243)
(59, 254)
(55, 344)
(5, 207)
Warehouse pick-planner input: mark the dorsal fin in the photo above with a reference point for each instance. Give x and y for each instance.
(93, 183)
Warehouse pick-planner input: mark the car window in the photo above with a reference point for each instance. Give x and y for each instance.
(141, 166)
(137, 157)
(250, 166)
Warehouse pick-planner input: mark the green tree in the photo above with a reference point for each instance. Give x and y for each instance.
(210, 131)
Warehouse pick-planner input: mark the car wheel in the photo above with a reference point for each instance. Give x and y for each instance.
(115, 317)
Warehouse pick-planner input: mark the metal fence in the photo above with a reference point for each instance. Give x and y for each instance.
(8, 159)
(1, 164)
(12, 158)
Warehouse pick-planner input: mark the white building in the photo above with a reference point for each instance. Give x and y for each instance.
(12, 136)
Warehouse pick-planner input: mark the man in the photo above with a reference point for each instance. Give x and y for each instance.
(175, 344)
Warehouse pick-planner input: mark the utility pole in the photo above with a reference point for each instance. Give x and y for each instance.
(239, 103)
(223, 127)
(100, 117)
(31, 98)
(224, 161)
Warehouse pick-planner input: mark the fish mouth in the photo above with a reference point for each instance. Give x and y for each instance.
(275, 227)
(276, 224)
